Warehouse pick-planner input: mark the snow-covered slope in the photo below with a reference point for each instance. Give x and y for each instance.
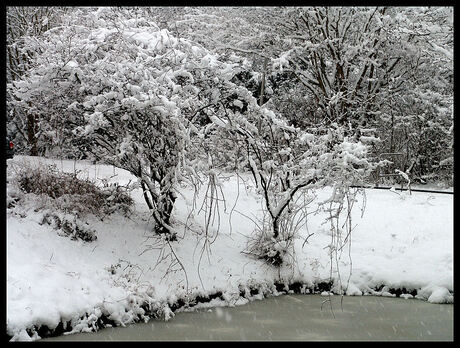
(128, 274)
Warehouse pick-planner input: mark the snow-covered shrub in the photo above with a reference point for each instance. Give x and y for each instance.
(13, 196)
(69, 193)
(116, 198)
(73, 229)
(273, 251)
(279, 251)
(51, 182)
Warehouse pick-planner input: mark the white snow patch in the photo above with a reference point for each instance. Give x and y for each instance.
(435, 294)
(353, 290)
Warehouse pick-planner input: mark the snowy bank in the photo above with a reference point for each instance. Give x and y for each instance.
(401, 246)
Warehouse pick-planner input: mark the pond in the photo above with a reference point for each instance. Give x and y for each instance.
(295, 318)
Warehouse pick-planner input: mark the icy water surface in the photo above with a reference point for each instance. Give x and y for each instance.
(296, 318)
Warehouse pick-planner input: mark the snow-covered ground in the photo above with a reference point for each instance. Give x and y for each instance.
(402, 241)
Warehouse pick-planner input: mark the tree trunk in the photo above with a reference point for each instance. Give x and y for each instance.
(262, 86)
(146, 197)
(31, 135)
(262, 91)
(276, 227)
(163, 213)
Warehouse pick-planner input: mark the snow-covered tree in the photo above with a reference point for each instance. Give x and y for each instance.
(360, 68)
(416, 116)
(232, 33)
(25, 23)
(129, 91)
(284, 161)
